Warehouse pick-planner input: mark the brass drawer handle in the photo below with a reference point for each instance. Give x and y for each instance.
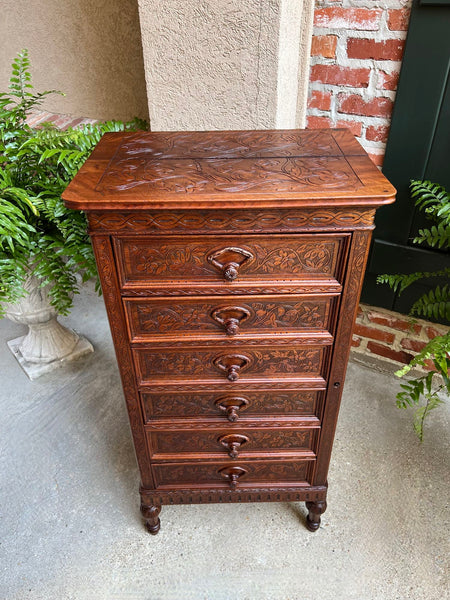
(229, 260)
(232, 365)
(232, 406)
(233, 443)
(232, 474)
(230, 317)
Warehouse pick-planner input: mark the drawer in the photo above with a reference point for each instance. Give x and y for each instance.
(231, 407)
(233, 475)
(212, 316)
(173, 261)
(235, 442)
(226, 365)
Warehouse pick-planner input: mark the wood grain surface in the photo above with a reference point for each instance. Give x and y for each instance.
(228, 169)
(231, 265)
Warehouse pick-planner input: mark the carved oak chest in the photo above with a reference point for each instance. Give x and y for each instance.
(231, 265)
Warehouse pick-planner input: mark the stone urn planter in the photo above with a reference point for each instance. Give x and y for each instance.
(48, 344)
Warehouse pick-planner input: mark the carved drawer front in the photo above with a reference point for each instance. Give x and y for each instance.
(228, 317)
(229, 406)
(233, 475)
(227, 365)
(170, 261)
(235, 442)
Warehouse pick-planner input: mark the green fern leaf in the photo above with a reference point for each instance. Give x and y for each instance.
(433, 304)
(435, 236)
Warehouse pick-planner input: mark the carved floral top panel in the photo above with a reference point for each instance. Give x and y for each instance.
(219, 169)
(229, 144)
(210, 176)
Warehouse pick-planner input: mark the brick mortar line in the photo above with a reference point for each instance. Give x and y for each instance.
(375, 23)
(421, 337)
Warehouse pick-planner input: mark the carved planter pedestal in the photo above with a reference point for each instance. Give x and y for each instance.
(48, 344)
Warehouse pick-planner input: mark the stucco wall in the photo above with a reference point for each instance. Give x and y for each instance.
(91, 50)
(233, 64)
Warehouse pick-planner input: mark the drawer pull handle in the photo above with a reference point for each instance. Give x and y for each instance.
(232, 406)
(232, 474)
(230, 317)
(232, 365)
(229, 260)
(233, 443)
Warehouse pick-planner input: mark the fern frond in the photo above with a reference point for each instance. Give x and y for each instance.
(433, 199)
(13, 271)
(434, 304)
(36, 166)
(436, 350)
(435, 236)
(20, 80)
(420, 392)
(399, 282)
(432, 402)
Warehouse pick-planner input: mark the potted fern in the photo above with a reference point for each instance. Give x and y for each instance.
(425, 392)
(45, 252)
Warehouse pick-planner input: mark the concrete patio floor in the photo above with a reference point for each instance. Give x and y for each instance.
(71, 529)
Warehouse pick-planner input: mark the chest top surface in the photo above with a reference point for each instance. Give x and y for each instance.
(227, 169)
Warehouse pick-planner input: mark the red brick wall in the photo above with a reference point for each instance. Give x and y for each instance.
(39, 117)
(390, 337)
(356, 55)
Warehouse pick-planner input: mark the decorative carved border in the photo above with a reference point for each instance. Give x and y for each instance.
(105, 262)
(208, 496)
(301, 423)
(156, 341)
(231, 291)
(350, 298)
(231, 221)
(301, 385)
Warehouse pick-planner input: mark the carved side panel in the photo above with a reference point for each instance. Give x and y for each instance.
(199, 403)
(182, 364)
(350, 298)
(257, 472)
(116, 316)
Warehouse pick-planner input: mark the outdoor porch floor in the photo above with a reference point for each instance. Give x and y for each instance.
(71, 528)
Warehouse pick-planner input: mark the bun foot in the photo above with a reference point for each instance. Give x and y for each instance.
(315, 510)
(311, 525)
(151, 516)
(153, 529)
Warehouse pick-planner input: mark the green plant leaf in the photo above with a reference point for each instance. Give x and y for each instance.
(36, 165)
(419, 392)
(435, 303)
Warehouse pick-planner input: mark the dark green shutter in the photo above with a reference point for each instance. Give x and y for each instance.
(418, 148)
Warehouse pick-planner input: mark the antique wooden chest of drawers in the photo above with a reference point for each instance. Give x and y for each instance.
(231, 265)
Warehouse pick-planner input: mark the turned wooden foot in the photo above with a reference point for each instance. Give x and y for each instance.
(315, 510)
(151, 516)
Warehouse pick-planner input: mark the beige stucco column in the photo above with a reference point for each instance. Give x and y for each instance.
(226, 64)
